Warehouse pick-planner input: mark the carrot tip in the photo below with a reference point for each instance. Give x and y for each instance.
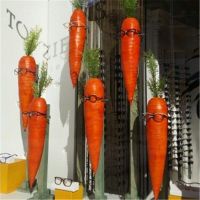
(130, 101)
(32, 185)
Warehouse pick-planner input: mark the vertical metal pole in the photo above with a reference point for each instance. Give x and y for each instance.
(42, 191)
(142, 109)
(75, 134)
(99, 177)
(24, 187)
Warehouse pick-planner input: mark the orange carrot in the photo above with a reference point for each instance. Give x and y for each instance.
(157, 141)
(26, 79)
(130, 51)
(27, 74)
(37, 125)
(157, 124)
(94, 116)
(36, 137)
(77, 36)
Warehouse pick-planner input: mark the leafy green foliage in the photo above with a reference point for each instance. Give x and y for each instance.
(92, 62)
(43, 81)
(156, 86)
(31, 41)
(78, 3)
(130, 7)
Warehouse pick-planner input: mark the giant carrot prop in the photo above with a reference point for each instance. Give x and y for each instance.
(77, 36)
(130, 48)
(157, 124)
(37, 126)
(93, 107)
(27, 74)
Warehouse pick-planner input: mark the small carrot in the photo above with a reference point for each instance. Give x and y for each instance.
(93, 107)
(77, 36)
(157, 125)
(27, 74)
(37, 126)
(130, 49)
(36, 137)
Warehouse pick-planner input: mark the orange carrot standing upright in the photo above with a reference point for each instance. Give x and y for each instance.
(157, 125)
(36, 137)
(27, 74)
(130, 49)
(37, 126)
(93, 107)
(94, 116)
(77, 36)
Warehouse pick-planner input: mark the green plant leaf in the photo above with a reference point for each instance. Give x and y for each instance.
(31, 41)
(130, 7)
(92, 62)
(156, 86)
(78, 4)
(44, 80)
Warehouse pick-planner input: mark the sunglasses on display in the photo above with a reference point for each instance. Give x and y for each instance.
(186, 129)
(6, 156)
(65, 181)
(188, 186)
(181, 140)
(158, 117)
(22, 71)
(181, 151)
(182, 157)
(93, 98)
(35, 113)
(129, 33)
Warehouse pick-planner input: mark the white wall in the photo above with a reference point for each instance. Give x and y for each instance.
(50, 16)
(61, 94)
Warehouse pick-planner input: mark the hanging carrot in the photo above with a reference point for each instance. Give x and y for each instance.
(77, 36)
(37, 126)
(157, 124)
(93, 107)
(130, 48)
(27, 74)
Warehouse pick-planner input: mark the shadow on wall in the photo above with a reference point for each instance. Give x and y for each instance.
(66, 108)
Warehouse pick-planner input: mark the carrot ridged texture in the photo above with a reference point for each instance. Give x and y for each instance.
(94, 116)
(77, 36)
(25, 86)
(36, 137)
(130, 53)
(157, 143)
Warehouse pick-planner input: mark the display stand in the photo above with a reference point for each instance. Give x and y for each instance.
(99, 177)
(133, 188)
(41, 188)
(24, 187)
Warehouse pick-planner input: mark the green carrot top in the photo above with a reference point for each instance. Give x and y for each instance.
(43, 81)
(156, 86)
(78, 4)
(31, 41)
(92, 62)
(130, 7)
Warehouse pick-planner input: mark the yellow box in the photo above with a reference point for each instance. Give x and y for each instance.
(63, 194)
(174, 197)
(12, 175)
